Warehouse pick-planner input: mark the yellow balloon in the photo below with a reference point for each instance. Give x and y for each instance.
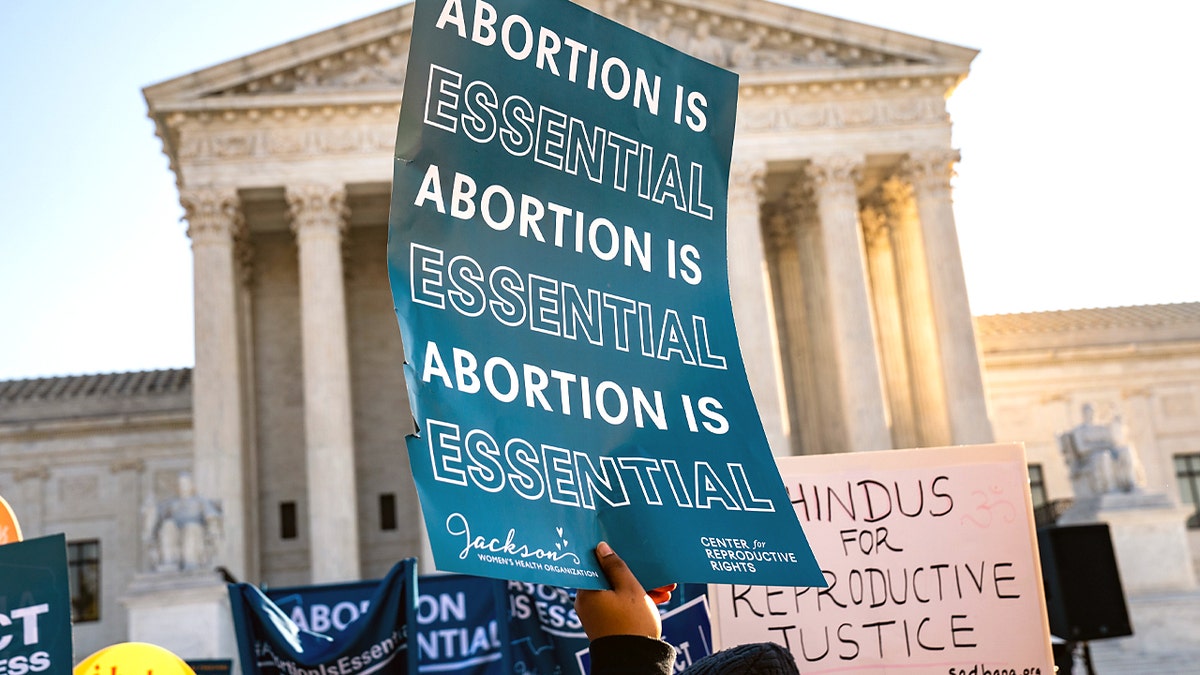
(133, 658)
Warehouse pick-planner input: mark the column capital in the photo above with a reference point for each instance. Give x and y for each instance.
(747, 181)
(213, 213)
(779, 227)
(800, 204)
(930, 169)
(877, 227)
(317, 207)
(895, 194)
(834, 174)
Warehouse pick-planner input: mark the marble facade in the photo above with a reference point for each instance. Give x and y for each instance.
(81, 455)
(1139, 363)
(844, 267)
(291, 147)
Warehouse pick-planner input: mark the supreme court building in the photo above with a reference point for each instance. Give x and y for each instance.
(845, 272)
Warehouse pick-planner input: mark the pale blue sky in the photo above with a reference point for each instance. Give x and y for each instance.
(1076, 128)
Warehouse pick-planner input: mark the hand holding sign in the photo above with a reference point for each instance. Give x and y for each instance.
(627, 609)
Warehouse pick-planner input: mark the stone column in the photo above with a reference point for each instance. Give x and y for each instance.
(930, 172)
(881, 264)
(218, 408)
(319, 218)
(920, 331)
(853, 332)
(788, 284)
(753, 307)
(820, 415)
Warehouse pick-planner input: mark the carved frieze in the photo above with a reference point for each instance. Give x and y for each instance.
(234, 145)
(379, 138)
(783, 112)
(39, 473)
(136, 465)
(287, 141)
(199, 143)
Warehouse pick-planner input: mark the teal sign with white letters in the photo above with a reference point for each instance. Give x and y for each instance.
(557, 261)
(35, 607)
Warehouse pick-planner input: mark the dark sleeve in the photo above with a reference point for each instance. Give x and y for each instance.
(631, 655)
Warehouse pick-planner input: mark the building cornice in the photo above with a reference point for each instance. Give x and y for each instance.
(1090, 354)
(67, 426)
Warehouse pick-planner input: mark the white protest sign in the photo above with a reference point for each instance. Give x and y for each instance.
(932, 564)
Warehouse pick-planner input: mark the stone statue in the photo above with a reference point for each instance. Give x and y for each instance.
(182, 532)
(1100, 458)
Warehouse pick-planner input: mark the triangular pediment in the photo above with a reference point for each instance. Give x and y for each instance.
(764, 41)
(368, 53)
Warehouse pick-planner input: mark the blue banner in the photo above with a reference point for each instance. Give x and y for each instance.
(556, 255)
(458, 628)
(470, 625)
(461, 628)
(35, 607)
(376, 640)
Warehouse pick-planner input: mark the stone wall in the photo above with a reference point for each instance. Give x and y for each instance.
(1142, 363)
(80, 455)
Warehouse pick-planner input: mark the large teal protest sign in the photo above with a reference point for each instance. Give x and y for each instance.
(557, 260)
(35, 607)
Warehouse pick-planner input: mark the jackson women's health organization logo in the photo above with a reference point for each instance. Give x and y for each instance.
(512, 549)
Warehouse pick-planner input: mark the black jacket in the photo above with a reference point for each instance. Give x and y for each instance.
(638, 655)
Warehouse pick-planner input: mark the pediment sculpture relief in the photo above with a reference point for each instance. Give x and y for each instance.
(380, 65)
(722, 40)
(731, 42)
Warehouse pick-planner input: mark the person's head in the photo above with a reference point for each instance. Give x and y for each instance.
(1089, 413)
(758, 658)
